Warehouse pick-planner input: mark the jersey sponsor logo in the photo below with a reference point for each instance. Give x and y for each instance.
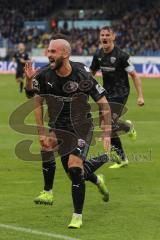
(99, 59)
(113, 59)
(87, 69)
(70, 87)
(99, 88)
(108, 69)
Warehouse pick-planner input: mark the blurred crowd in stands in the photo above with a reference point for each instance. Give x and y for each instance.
(138, 31)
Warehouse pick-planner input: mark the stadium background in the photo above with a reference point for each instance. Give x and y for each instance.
(133, 211)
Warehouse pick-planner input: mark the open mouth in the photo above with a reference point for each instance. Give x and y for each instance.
(105, 42)
(51, 60)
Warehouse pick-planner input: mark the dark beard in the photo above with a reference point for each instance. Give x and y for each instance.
(58, 63)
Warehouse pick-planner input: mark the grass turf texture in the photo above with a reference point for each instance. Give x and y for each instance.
(134, 207)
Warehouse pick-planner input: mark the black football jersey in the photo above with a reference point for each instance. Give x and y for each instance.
(19, 56)
(115, 67)
(67, 97)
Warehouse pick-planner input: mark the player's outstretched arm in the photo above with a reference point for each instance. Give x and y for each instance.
(105, 115)
(138, 87)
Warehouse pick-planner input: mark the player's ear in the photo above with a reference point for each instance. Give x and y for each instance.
(66, 52)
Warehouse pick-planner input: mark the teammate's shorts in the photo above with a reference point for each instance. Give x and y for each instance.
(20, 74)
(118, 108)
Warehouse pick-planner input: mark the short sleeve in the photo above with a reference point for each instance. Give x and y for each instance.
(39, 84)
(127, 63)
(92, 87)
(96, 91)
(38, 87)
(95, 63)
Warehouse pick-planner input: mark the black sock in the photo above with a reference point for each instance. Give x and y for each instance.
(91, 165)
(78, 188)
(48, 167)
(21, 86)
(117, 146)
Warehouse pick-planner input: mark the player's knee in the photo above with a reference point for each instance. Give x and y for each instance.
(75, 161)
(76, 175)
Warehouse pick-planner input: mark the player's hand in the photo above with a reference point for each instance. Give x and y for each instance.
(44, 141)
(107, 143)
(48, 142)
(29, 70)
(140, 101)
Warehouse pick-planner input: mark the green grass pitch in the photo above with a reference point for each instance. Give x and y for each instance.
(133, 212)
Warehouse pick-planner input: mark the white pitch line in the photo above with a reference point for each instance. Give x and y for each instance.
(36, 232)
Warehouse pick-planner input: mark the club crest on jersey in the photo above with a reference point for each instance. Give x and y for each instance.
(112, 59)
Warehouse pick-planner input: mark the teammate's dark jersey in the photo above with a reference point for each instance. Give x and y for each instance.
(67, 97)
(115, 67)
(18, 56)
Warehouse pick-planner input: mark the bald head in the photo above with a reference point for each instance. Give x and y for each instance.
(62, 45)
(21, 47)
(59, 51)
